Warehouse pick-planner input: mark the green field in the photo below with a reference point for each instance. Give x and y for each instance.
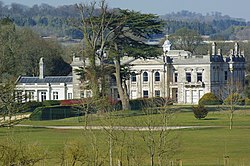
(205, 146)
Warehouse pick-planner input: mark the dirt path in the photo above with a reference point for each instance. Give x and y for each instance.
(118, 127)
(14, 117)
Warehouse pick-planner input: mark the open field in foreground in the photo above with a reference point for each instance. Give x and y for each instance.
(195, 146)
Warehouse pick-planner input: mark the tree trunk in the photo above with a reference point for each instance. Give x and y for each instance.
(110, 151)
(95, 86)
(93, 75)
(119, 163)
(152, 160)
(122, 92)
(231, 120)
(231, 114)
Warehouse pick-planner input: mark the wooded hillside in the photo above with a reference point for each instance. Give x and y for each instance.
(47, 20)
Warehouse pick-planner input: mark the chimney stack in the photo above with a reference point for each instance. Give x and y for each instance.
(236, 48)
(41, 68)
(213, 48)
(219, 52)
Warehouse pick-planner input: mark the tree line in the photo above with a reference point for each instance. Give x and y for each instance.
(47, 20)
(21, 49)
(108, 35)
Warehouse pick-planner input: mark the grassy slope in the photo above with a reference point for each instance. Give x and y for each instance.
(198, 146)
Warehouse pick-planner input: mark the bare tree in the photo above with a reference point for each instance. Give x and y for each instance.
(232, 93)
(73, 153)
(20, 152)
(161, 143)
(95, 21)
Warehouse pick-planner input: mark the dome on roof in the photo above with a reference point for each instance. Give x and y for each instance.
(167, 42)
(166, 46)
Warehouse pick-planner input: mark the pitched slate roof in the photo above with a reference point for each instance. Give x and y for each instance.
(49, 79)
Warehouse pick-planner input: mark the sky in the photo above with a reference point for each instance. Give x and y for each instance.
(233, 8)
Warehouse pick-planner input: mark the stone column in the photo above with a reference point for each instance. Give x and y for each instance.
(77, 62)
(140, 85)
(151, 85)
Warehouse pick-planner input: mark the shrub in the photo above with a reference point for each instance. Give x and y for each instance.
(199, 111)
(16, 151)
(234, 99)
(55, 112)
(117, 105)
(136, 104)
(209, 99)
(31, 106)
(247, 101)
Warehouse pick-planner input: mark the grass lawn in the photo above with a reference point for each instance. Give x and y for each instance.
(197, 146)
(180, 116)
(209, 146)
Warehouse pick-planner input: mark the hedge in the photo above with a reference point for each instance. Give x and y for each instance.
(138, 104)
(234, 99)
(209, 99)
(72, 102)
(51, 102)
(31, 106)
(55, 112)
(247, 101)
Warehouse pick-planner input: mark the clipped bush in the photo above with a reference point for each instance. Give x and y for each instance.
(31, 106)
(209, 99)
(51, 102)
(136, 104)
(55, 112)
(200, 111)
(235, 99)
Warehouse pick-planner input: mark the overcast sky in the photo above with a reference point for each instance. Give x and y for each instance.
(233, 8)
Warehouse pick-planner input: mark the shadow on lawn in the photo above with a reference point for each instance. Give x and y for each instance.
(211, 119)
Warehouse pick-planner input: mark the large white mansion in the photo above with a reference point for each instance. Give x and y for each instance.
(177, 74)
(184, 77)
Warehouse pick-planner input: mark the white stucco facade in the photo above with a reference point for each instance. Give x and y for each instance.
(42, 87)
(184, 77)
(45, 91)
(176, 75)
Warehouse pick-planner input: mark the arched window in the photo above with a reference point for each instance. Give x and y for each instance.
(157, 76)
(145, 77)
(133, 77)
